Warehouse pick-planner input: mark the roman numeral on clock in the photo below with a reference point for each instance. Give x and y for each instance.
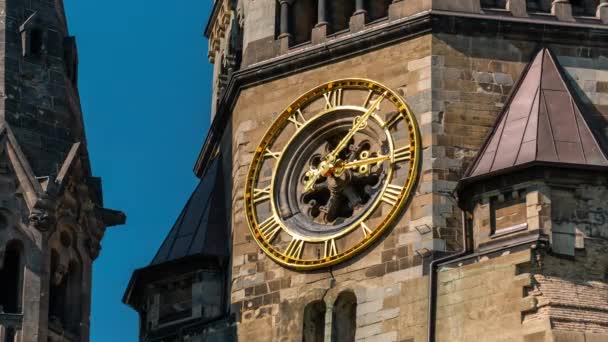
(297, 118)
(269, 228)
(391, 194)
(330, 248)
(260, 195)
(294, 249)
(366, 231)
(270, 154)
(333, 99)
(393, 120)
(403, 154)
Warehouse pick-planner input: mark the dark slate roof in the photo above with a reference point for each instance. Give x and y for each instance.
(540, 123)
(201, 227)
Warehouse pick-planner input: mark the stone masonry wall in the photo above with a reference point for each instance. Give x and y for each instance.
(456, 86)
(268, 295)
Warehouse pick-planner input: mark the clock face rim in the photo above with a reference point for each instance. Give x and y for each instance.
(275, 130)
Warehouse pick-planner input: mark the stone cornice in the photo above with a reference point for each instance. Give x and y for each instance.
(531, 29)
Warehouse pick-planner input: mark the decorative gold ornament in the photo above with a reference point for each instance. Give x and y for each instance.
(332, 173)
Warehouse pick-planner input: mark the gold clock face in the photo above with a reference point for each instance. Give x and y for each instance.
(332, 173)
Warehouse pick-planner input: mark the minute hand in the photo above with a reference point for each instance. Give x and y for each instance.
(360, 122)
(362, 162)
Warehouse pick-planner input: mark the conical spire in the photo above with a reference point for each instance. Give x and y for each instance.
(540, 123)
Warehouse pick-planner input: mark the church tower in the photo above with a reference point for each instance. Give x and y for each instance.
(52, 217)
(400, 170)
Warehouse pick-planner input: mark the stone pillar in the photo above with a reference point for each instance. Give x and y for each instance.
(360, 7)
(357, 21)
(518, 8)
(562, 9)
(285, 36)
(602, 11)
(319, 32)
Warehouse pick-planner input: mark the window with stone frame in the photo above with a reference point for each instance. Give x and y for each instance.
(65, 295)
(314, 322)
(508, 212)
(344, 318)
(339, 13)
(210, 290)
(538, 6)
(303, 19)
(494, 4)
(175, 301)
(377, 9)
(584, 8)
(11, 278)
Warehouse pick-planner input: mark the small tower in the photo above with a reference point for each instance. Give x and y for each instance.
(540, 181)
(52, 217)
(183, 293)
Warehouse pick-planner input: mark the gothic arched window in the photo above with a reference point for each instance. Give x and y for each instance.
(314, 322)
(11, 275)
(344, 318)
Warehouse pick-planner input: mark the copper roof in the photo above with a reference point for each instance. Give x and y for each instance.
(540, 123)
(201, 228)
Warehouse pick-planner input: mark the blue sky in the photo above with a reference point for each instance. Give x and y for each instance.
(145, 86)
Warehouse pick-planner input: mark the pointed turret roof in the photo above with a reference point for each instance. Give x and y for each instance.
(540, 123)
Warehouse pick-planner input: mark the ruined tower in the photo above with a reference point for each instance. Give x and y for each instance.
(52, 217)
(405, 170)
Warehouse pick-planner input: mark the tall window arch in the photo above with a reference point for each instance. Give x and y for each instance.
(11, 273)
(65, 295)
(314, 322)
(344, 318)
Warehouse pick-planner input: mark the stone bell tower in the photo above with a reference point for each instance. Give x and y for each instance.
(52, 217)
(504, 234)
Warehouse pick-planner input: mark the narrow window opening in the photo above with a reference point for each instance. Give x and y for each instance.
(344, 318)
(539, 6)
(494, 4)
(303, 19)
(10, 335)
(339, 14)
(314, 322)
(58, 291)
(73, 297)
(584, 8)
(11, 274)
(35, 42)
(377, 9)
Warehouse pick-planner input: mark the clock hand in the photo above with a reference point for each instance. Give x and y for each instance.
(358, 123)
(365, 162)
(313, 175)
(327, 164)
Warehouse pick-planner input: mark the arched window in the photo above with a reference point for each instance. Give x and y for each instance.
(314, 322)
(377, 9)
(339, 14)
(65, 298)
(73, 297)
(303, 19)
(344, 318)
(58, 289)
(11, 275)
